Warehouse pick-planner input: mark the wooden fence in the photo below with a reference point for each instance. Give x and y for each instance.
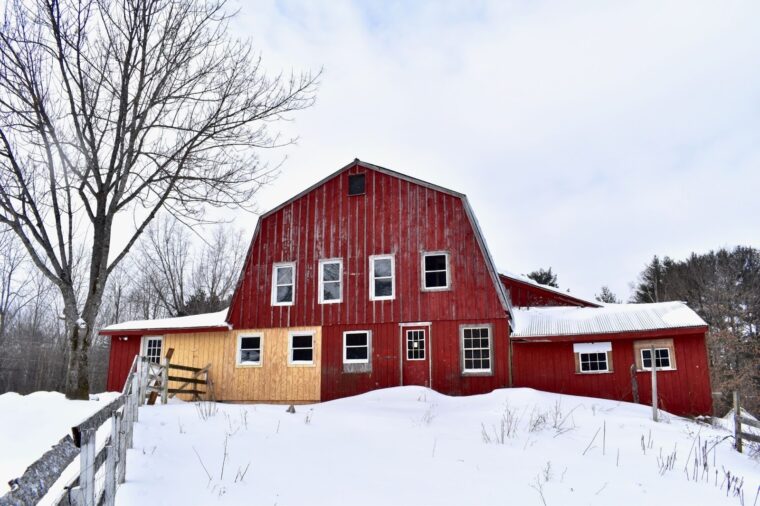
(739, 422)
(102, 468)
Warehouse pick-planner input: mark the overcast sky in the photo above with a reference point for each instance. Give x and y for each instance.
(588, 136)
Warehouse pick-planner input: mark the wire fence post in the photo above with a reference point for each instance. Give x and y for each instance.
(737, 422)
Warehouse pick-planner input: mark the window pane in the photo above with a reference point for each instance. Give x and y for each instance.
(356, 184)
(469, 364)
(331, 291)
(383, 288)
(303, 355)
(250, 356)
(467, 334)
(356, 353)
(382, 267)
(284, 275)
(435, 279)
(435, 263)
(331, 272)
(247, 343)
(357, 339)
(302, 341)
(284, 294)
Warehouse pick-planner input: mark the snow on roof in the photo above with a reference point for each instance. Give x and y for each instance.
(567, 321)
(181, 322)
(525, 279)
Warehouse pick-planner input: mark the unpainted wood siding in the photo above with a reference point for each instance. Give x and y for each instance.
(529, 295)
(274, 381)
(683, 391)
(395, 216)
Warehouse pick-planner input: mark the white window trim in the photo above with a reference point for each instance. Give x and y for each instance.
(302, 363)
(369, 347)
(475, 372)
(144, 346)
(321, 295)
(654, 361)
(424, 349)
(274, 283)
(372, 277)
(425, 288)
(261, 350)
(600, 371)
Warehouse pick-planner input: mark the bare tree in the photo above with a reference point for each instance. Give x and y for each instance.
(13, 291)
(113, 110)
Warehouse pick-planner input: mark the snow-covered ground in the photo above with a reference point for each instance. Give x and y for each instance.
(414, 446)
(31, 424)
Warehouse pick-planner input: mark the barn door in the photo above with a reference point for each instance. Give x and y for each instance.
(416, 347)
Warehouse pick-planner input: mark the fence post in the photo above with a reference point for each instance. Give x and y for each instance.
(654, 385)
(634, 384)
(137, 393)
(737, 422)
(142, 373)
(84, 494)
(165, 381)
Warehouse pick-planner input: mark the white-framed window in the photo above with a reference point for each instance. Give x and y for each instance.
(330, 281)
(250, 349)
(476, 349)
(415, 344)
(152, 347)
(593, 358)
(301, 348)
(382, 277)
(661, 359)
(435, 271)
(283, 284)
(356, 346)
(664, 354)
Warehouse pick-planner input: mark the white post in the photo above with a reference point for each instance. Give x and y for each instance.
(121, 468)
(137, 394)
(86, 495)
(654, 385)
(142, 373)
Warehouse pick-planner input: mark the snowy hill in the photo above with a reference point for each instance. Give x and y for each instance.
(414, 446)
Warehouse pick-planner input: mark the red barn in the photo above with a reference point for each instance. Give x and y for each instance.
(372, 279)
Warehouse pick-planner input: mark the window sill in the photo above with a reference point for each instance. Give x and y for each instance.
(248, 366)
(302, 364)
(381, 299)
(477, 373)
(593, 373)
(658, 369)
(330, 301)
(437, 289)
(283, 304)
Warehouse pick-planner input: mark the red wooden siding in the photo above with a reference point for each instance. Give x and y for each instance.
(395, 216)
(684, 391)
(443, 345)
(529, 295)
(123, 352)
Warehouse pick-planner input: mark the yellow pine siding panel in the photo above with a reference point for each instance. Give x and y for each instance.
(273, 381)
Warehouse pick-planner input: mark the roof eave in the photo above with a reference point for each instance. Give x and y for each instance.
(159, 331)
(626, 334)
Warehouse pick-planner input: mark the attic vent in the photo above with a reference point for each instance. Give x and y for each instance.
(356, 184)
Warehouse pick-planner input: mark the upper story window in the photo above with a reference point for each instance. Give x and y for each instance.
(330, 284)
(382, 277)
(435, 271)
(356, 184)
(283, 284)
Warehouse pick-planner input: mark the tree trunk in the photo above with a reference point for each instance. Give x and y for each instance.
(78, 369)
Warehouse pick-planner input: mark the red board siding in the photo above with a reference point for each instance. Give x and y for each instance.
(443, 344)
(123, 352)
(685, 391)
(395, 216)
(529, 295)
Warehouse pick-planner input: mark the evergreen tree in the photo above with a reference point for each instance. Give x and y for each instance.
(607, 296)
(544, 277)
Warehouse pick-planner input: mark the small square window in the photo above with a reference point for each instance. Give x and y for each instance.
(662, 358)
(356, 347)
(593, 362)
(356, 184)
(435, 271)
(301, 349)
(249, 350)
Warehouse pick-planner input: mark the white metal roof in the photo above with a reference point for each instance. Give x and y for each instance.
(181, 322)
(569, 321)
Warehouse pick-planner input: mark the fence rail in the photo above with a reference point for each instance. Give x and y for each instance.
(740, 420)
(102, 469)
